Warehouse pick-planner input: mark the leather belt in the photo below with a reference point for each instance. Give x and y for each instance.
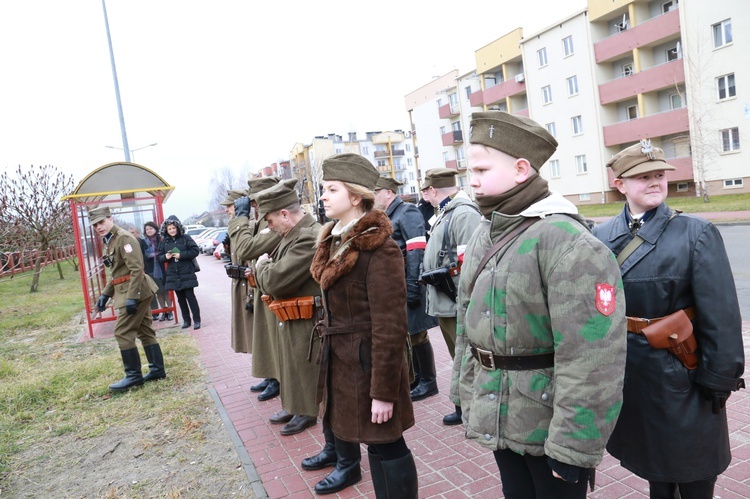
(492, 362)
(638, 324)
(118, 280)
(351, 328)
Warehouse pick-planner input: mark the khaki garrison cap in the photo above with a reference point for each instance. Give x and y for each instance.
(638, 159)
(232, 195)
(258, 184)
(281, 195)
(439, 178)
(388, 183)
(96, 215)
(514, 135)
(352, 168)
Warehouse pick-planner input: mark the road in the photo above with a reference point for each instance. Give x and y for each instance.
(737, 241)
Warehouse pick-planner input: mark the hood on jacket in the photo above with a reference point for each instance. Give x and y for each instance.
(171, 221)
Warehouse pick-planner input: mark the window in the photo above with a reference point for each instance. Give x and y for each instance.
(733, 183)
(572, 85)
(454, 101)
(730, 139)
(632, 112)
(725, 84)
(456, 126)
(581, 167)
(442, 130)
(446, 158)
(673, 54)
(411, 175)
(627, 69)
(567, 45)
(338, 150)
(407, 147)
(409, 161)
(547, 94)
(489, 80)
(584, 197)
(554, 168)
(668, 6)
(722, 33)
(365, 151)
(382, 162)
(468, 91)
(552, 129)
(541, 55)
(413, 189)
(682, 186)
(622, 25)
(577, 124)
(675, 101)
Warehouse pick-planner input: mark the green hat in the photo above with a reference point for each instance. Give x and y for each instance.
(637, 159)
(517, 136)
(258, 184)
(96, 215)
(439, 178)
(351, 168)
(388, 183)
(281, 195)
(232, 195)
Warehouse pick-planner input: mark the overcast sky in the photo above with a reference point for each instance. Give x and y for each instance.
(226, 83)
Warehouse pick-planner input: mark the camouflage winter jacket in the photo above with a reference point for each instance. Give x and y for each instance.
(555, 288)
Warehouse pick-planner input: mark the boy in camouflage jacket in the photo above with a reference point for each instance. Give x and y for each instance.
(541, 343)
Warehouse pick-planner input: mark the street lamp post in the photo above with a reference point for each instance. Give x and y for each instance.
(131, 151)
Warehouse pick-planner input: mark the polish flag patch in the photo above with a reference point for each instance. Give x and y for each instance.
(605, 298)
(416, 243)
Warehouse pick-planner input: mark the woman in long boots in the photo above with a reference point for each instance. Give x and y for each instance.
(364, 380)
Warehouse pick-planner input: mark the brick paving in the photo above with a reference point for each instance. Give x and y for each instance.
(449, 466)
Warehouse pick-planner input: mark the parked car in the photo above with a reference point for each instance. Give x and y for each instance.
(209, 246)
(208, 237)
(195, 231)
(220, 254)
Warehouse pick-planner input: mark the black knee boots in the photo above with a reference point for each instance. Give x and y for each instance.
(415, 368)
(155, 363)
(428, 379)
(326, 457)
(347, 470)
(394, 479)
(131, 360)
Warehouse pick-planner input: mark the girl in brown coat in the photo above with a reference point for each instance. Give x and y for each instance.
(364, 383)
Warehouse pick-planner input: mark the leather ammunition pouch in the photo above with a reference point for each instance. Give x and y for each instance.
(291, 309)
(441, 279)
(673, 332)
(238, 272)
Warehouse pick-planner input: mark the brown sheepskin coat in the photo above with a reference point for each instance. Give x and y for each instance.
(362, 356)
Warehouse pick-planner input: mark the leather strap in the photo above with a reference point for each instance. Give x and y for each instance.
(118, 280)
(492, 362)
(637, 324)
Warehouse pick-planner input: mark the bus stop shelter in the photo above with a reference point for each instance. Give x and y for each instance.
(135, 195)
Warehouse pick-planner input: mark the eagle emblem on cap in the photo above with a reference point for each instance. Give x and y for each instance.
(647, 148)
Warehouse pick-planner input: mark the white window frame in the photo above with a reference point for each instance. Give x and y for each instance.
(682, 187)
(733, 183)
(547, 94)
(671, 101)
(582, 167)
(627, 69)
(541, 57)
(572, 83)
(365, 151)
(468, 91)
(576, 124)
(727, 88)
(724, 29)
(552, 129)
(567, 43)
(584, 196)
(631, 115)
(730, 139)
(554, 168)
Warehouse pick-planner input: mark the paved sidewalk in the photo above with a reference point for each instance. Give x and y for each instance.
(449, 466)
(717, 217)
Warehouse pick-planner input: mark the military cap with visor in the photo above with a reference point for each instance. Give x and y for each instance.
(280, 196)
(352, 168)
(516, 136)
(439, 178)
(259, 184)
(638, 159)
(232, 195)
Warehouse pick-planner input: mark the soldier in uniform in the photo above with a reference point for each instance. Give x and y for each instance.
(673, 427)
(284, 276)
(540, 351)
(132, 290)
(456, 217)
(242, 317)
(248, 240)
(409, 233)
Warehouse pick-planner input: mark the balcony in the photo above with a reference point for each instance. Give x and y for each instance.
(476, 99)
(386, 154)
(655, 78)
(452, 164)
(684, 171)
(448, 111)
(453, 137)
(651, 32)
(522, 112)
(655, 125)
(502, 90)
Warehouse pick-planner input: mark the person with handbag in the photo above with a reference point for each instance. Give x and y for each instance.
(178, 251)
(685, 352)
(540, 349)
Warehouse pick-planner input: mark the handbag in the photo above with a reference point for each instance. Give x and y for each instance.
(196, 267)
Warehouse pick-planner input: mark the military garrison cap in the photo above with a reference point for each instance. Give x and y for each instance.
(258, 184)
(517, 136)
(96, 215)
(439, 178)
(352, 168)
(232, 195)
(637, 159)
(388, 183)
(281, 195)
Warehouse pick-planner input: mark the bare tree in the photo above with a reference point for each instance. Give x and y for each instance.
(222, 180)
(32, 214)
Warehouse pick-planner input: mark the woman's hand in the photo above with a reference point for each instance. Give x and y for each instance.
(381, 411)
(168, 255)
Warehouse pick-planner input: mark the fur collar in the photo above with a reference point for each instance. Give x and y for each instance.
(368, 234)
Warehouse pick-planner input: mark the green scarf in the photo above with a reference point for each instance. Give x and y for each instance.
(515, 200)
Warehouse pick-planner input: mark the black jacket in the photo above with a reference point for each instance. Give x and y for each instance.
(667, 431)
(180, 274)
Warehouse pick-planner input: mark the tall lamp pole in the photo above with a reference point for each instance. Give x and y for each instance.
(125, 146)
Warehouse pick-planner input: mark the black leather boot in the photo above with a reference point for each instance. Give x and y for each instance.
(326, 457)
(347, 470)
(428, 379)
(155, 363)
(400, 478)
(415, 367)
(131, 360)
(378, 477)
(454, 418)
(271, 390)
